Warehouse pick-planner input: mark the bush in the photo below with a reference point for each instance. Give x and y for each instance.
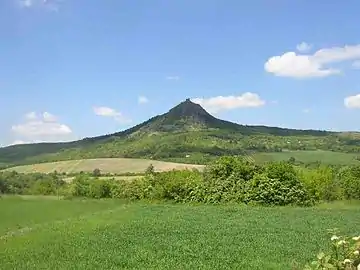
(80, 186)
(178, 186)
(224, 167)
(225, 179)
(264, 190)
(322, 183)
(99, 189)
(277, 185)
(33, 183)
(44, 187)
(350, 180)
(132, 190)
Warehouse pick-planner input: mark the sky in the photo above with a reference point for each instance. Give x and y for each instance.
(71, 69)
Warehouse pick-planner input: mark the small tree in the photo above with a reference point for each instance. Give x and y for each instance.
(292, 160)
(150, 170)
(96, 172)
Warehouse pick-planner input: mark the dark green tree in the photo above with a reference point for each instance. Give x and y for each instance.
(96, 172)
(150, 170)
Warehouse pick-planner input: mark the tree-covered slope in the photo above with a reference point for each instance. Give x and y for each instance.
(186, 133)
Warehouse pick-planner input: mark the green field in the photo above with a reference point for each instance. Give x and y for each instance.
(327, 157)
(106, 165)
(109, 234)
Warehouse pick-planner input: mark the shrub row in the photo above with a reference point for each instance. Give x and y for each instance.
(228, 179)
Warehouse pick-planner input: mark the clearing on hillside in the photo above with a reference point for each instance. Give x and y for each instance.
(106, 165)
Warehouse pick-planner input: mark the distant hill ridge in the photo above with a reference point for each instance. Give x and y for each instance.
(188, 115)
(185, 128)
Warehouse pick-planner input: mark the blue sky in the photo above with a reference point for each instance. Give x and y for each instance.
(77, 68)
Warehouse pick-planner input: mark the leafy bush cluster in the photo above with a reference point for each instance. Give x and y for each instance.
(35, 183)
(227, 179)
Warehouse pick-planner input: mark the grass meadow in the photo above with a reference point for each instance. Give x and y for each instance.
(46, 233)
(326, 157)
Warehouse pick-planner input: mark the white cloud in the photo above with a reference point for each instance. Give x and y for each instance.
(306, 110)
(142, 100)
(111, 113)
(45, 116)
(222, 103)
(26, 3)
(173, 78)
(105, 111)
(16, 142)
(352, 102)
(356, 64)
(313, 65)
(303, 47)
(48, 117)
(31, 116)
(41, 128)
(52, 5)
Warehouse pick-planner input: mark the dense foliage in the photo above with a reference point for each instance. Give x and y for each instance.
(37, 183)
(228, 179)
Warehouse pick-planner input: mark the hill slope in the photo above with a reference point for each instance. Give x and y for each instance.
(186, 133)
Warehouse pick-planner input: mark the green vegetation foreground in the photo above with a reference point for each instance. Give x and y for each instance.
(88, 234)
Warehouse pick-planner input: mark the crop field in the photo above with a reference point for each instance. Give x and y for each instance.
(327, 157)
(110, 234)
(106, 165)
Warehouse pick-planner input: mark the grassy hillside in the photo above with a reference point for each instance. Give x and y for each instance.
(196, 147)
(106, 234)
(106, 165)
(187, 133)
(326, 157)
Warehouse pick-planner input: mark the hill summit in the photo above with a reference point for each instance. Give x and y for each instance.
(190, 116)
(188, 108)
(186, 116)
